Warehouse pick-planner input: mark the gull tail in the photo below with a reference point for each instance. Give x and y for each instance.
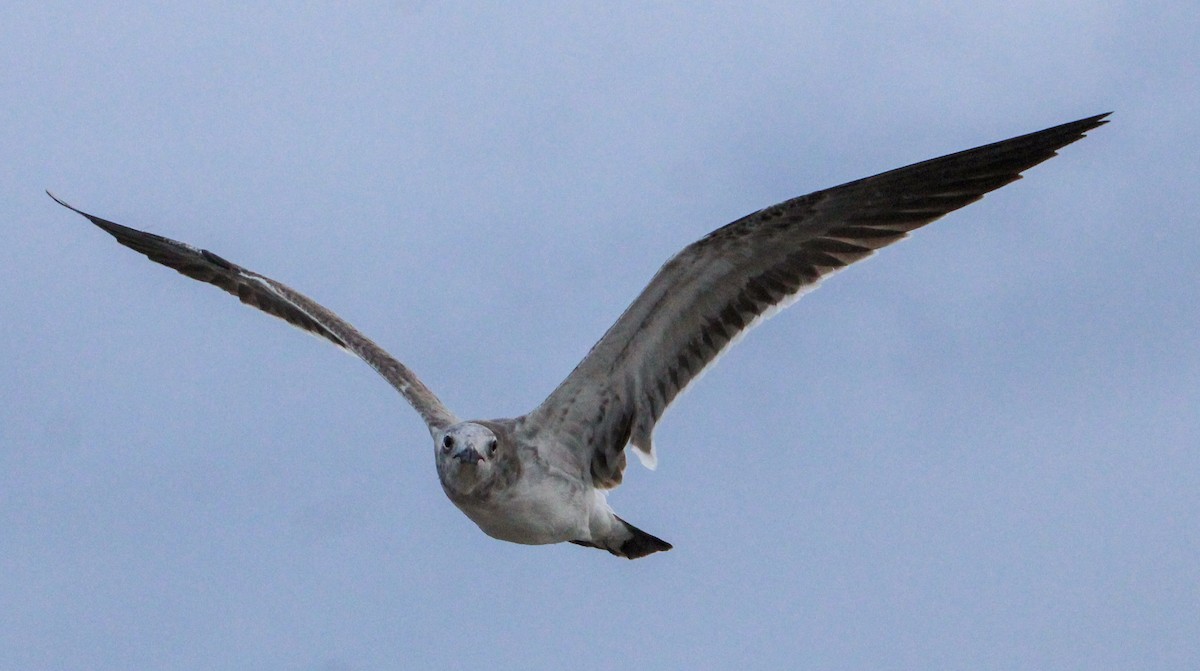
(639, 543)
(632, 544)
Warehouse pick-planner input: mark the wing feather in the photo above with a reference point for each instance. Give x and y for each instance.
(279, 300)
(715, 289)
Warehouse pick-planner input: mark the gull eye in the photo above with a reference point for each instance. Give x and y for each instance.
(491, 447)
(448, 442)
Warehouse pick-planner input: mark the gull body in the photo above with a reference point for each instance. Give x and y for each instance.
(542, 478)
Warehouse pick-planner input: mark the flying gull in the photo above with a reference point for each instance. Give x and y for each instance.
(542, 478)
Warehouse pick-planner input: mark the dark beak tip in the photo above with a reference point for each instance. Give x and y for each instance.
(468, 456)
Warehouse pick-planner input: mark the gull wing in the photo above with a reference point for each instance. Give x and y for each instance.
(718, 287)
(278, 300)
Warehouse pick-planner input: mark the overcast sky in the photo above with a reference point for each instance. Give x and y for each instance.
(979, 449)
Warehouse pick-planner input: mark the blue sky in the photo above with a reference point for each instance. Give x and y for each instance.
(979, 449)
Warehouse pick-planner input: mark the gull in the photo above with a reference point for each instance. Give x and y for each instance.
(543, 477)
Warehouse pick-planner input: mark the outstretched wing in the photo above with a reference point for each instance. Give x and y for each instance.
(281, 301)
(720, 286)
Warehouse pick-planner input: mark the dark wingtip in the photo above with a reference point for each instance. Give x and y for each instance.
(1077, 130)
(112, 228)
(90, 217)
(1070, 132)
(1093, 121)
(62, 202)
(1067, 133)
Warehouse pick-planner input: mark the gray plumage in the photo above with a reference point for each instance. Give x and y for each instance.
(541, 478)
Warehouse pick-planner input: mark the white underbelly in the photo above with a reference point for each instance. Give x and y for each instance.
(533, 517)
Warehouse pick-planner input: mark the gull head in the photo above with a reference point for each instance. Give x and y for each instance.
(469, 457)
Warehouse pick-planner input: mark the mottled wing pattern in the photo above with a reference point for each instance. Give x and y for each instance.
(281, 301)
(718, 287)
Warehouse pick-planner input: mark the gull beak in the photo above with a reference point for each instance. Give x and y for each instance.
(467, 455)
